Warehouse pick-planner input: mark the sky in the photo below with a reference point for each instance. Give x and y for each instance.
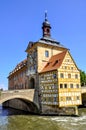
(21, 22)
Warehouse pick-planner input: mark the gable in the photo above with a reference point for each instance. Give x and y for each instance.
(69, 63)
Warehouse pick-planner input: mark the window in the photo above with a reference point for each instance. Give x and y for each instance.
(48, 30)
(42, 87)
(55, 62)
(69, 75)
(47, 64)
(77, 85)
(55, 86)
(55, 99)
(65, 85)
(46, 53)
(68, 60)
(68, 98)
(78, 98)
(49, 99)
(54, 76)
(34, 67)
(65, 67)
(71, 85)
(44, 99)
(61, 75)
(76, 76)
(61, 98)
(61, 85)
(71, 68)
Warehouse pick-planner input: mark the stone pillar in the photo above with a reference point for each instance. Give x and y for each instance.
(76, 111)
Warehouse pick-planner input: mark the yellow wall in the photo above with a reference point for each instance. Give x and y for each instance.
(42, 60)
(68, 96)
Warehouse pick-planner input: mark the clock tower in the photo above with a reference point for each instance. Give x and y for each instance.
(38, 55)
(46, 27)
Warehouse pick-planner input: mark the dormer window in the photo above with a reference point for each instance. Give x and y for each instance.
(55, 62)
(47, 64)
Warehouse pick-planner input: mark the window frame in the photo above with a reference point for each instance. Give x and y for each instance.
(76, 76)
(65, 85)
(61, 75)
(71, 85)
(61, 85)
(46, 53)
(69, 76)
(77, 85)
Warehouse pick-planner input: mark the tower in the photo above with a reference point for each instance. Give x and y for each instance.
(46, 27)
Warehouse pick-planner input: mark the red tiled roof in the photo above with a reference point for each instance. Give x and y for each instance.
(54, 62)
(19, 66)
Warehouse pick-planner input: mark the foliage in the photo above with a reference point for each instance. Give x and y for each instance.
(0, 93)
(83, 78)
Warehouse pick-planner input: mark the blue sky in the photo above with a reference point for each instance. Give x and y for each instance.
(21, 22)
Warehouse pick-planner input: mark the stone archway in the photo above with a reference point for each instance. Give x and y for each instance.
(21, 104)
(32, 83)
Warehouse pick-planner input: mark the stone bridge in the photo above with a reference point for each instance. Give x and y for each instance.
(83, 90)
(21, 99)
(26, 94)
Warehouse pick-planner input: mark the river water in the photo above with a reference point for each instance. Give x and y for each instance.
(11, 119)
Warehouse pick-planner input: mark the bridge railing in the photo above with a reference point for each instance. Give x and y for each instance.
(83, 89)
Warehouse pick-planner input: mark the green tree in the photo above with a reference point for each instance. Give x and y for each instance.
(83, 78)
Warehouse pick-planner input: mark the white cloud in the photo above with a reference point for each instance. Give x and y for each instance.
(2, 86)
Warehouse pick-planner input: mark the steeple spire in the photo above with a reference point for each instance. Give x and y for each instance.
(46, 15)
(46, 27)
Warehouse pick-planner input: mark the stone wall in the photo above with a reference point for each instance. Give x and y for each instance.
(55, 110)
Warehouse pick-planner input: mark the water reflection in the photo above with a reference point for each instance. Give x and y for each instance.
(25, 121)
(10, 112)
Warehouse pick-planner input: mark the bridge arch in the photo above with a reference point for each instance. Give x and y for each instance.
(21, 104)
(23, 99)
